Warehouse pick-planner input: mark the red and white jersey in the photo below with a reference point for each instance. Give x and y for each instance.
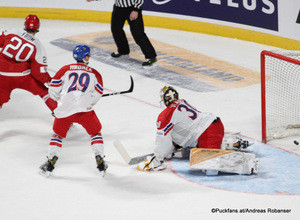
(22, 54)
(76, 88)
(180, 123)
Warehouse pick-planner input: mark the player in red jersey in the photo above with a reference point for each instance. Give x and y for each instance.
(181, 125)
(76, 87)
(23, 63)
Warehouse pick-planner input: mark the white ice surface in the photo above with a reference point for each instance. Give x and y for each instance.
(76, 190)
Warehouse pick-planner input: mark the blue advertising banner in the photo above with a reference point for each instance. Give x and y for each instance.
(258, 13)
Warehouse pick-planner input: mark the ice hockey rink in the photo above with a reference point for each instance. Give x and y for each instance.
(77, 191)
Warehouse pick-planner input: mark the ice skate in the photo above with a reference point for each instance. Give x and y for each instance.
(149, 62)
(238, 145)
(101, 165)
(47, 167)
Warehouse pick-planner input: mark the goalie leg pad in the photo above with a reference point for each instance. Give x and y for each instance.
(224, 161)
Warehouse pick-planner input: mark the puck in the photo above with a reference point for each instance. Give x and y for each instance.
(296, 142)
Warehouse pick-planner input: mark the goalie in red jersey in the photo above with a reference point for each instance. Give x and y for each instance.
(182, 125)
(23, 63)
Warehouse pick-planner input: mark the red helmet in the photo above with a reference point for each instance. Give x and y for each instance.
(32, 22)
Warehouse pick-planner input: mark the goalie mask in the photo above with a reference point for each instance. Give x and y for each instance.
(168, 95)
(32, 23)
(80, 52)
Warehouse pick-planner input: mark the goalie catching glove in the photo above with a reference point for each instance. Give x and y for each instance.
(151, 163)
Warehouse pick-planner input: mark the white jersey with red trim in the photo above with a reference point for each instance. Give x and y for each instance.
(182, 124)
(22, 54)
(76, 88)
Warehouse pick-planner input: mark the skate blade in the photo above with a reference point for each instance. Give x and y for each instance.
(103, 173)
(44, 173)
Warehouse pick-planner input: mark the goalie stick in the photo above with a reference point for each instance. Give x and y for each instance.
(242, 144)
(129, 160)
(122, 92)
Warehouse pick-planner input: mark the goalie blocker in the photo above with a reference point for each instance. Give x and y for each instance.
(213, 161)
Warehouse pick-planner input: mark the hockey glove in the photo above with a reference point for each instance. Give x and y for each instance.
(151, 163)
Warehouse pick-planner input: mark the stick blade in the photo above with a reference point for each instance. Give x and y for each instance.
(122, 92)
(139, 159)
(129, 160)
(132, 84)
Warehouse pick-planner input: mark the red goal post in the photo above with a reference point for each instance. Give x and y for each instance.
(280, 94)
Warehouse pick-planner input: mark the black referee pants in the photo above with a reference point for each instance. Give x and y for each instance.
(118, 18)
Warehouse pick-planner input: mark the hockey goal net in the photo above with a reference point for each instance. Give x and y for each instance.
(280, 94)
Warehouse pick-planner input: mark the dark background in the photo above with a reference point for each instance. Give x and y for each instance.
(223, 12)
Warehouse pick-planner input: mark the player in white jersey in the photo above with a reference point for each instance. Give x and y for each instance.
(76, 88)
(23, 63)
(182, 125)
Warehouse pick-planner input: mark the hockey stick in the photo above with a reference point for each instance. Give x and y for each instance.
(122, 92)
(129, 160)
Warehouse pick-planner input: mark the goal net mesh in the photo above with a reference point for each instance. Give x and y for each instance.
(282, 95)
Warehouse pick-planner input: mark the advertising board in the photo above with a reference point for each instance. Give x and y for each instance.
(257, 13)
